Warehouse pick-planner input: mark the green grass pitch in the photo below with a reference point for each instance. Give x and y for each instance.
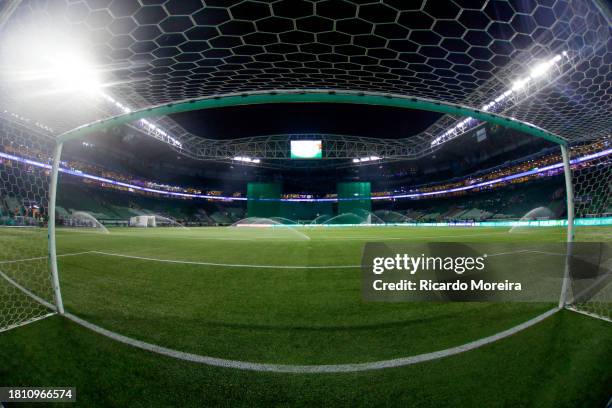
(285, 315)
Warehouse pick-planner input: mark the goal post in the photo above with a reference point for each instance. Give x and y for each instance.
(569, 198)
(591, 183)
(325, 96)
(57, 154)
(373, 98)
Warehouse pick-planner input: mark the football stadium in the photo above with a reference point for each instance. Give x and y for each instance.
(306, 203)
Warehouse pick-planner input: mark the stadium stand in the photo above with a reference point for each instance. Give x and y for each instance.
(512, 202)
(112, 203)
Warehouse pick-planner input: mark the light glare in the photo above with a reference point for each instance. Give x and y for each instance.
(69, 73)
(538, 71)
(246, 159)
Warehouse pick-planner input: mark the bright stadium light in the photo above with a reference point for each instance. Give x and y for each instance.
(71, 73)
(539, 70)
(518, 85)
(366, 159)
(245, 159)
(55, 62)
(50, 61)
(148, 126)
(544, 67)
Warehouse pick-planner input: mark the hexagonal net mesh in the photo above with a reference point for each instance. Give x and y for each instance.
(592, 182)
(466, 52)
(545, 62)
(24, 271)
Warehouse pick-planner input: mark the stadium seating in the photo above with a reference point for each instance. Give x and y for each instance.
(510, 202)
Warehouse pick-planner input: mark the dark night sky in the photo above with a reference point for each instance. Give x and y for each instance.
(353, 120)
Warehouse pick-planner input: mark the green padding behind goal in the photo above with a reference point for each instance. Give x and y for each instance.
(354, 197)
(306, 211)
(258, 195)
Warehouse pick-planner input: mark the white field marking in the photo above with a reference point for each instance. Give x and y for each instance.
(528, 231)
(261, 238)
(416, 237)
(81, 231)
(143, 258)
(311, 369)
(205, 238)
(288, 368)
(41, 257)
(227, 239)
(314, 237)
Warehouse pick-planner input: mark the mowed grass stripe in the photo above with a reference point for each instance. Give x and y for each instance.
(568, 355)
(293, 316)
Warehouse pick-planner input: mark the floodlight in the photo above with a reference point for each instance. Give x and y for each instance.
(153, 129)
(519, 84)
(540, 69)
(69, 72)
(246, 159)
(366, 159)
(51, 60)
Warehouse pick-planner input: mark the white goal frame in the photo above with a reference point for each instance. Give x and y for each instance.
(142, 221)
(306, 96)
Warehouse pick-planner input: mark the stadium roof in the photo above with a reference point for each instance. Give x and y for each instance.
(546, 62)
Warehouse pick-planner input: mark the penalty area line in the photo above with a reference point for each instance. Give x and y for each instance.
(285, 368)
(143, 258)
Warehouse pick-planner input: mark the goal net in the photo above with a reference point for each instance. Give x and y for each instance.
(544, 63)
(25, 280)
(592, 180)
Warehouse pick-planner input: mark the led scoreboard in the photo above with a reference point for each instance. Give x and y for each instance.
(306, 149)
